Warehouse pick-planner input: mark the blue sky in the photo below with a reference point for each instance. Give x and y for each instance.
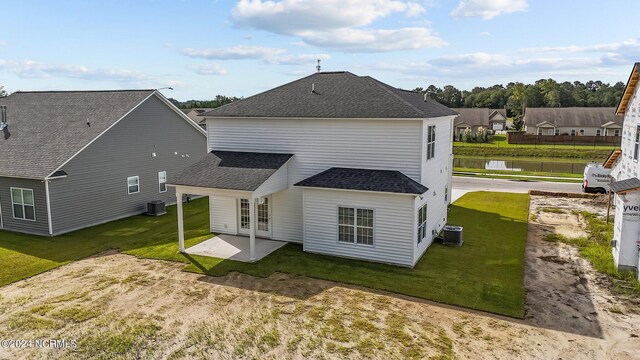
(203, 48)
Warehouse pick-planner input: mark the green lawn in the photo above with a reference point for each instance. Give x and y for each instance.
(485, 274)
(501, 141)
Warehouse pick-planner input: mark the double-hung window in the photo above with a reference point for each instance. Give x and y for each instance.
(23, 205)
(598, 132)
(422, 223)
(636, 145)
(162, 181)
(431, 141)
(573, 132)
(133, 184)
(355, 225)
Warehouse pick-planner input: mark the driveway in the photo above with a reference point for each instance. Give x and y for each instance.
(463, 185)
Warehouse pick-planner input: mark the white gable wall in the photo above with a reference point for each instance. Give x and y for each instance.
(436, 175)
(627, 230)
(319, 144)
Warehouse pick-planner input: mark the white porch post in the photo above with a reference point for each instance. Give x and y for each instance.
(180, 222)
(252, 229)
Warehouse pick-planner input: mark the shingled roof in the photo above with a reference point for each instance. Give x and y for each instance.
(572, 116)
(334, 95)
(392, 181)
(473, 116)
(231, 170)
(46, 128)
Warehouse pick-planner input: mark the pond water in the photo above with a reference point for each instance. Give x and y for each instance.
(573, 167)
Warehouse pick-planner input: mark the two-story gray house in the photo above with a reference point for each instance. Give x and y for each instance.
(344, 164)
(73, 159)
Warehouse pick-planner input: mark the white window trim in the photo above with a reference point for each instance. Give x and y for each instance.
(137, 181)
(355, 226)
(574, 132)
(13, 212)
(161, 182)
(598, 132)
(431, 153)
(423, 224)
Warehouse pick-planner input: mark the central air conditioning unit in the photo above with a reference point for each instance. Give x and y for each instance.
(452, 235)
(156, 208)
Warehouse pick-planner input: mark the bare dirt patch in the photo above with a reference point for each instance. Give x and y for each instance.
(118, 306)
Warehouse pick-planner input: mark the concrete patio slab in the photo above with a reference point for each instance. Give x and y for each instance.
(234, 247)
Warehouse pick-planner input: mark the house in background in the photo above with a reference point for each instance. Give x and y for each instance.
(576, 121)
(343, 164)
(626, 185)
(73, 159)
(194, 114)
(498, 120)
(474, 118)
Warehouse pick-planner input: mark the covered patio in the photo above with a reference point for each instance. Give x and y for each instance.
(234, 247)
(242, 182)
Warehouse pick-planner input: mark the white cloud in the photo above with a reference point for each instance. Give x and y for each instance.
(617, 53)
(208, 69)
(485, 33)
(291, 16)
(34, 69)
(268, 55)
(337, 24)
(303, 59)
(488, 9)
(357, 40)
(3, 43)
(485, 65)
(233, 53)
(610, 47)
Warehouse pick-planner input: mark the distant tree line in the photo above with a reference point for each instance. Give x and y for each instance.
(218, 101)
(516, 96)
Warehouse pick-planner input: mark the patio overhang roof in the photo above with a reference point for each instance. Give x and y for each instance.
(236, 174)
(249, 175)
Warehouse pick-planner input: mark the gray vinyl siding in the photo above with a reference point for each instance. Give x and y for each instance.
(393, 225)
(95, 190)
(41, 225)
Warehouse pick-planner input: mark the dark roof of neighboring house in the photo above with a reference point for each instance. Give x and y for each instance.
(232, 170)
(625, 185)
(46, 128)
(572, 116)
(472, 116)
(195, 113)
(365, 180)
(335, 95)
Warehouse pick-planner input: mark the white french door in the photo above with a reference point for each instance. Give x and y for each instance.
(263, 217)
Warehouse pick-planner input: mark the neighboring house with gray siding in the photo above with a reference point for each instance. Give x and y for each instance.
(73, 159)
(343, 164)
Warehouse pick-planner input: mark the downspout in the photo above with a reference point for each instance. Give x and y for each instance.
(46, 191)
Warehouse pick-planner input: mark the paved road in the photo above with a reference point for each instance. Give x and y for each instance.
(462, 185)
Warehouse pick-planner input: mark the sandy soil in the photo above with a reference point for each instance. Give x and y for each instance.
(116, 304)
